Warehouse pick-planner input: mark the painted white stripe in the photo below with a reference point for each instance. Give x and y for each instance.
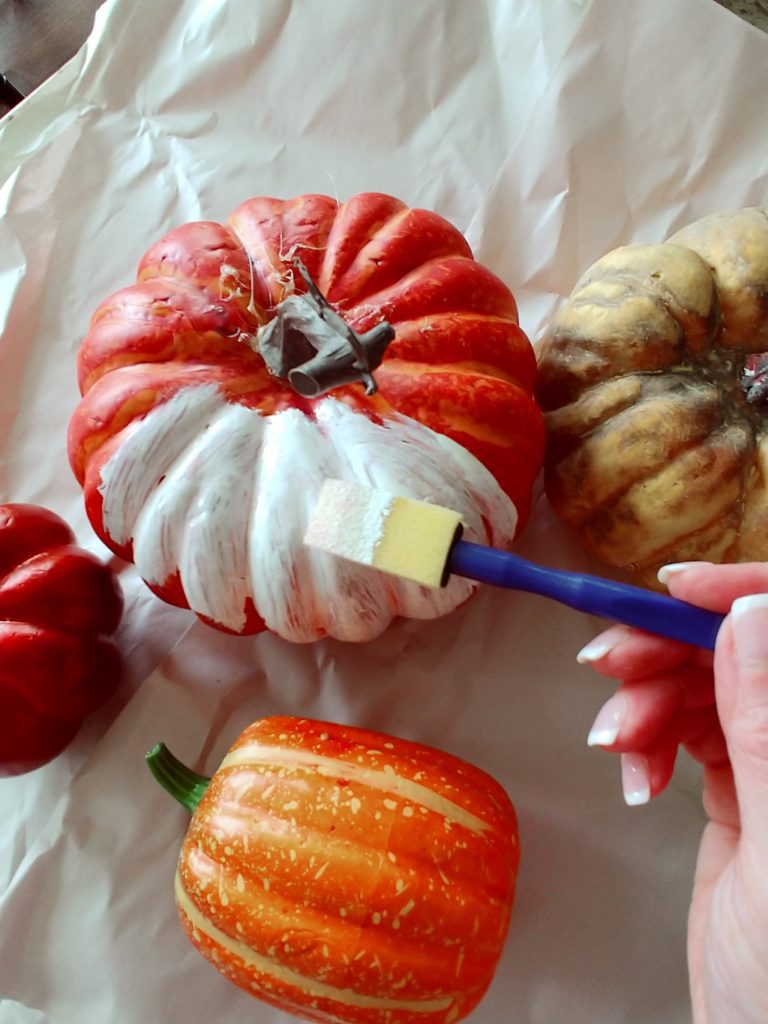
(254, 755)
(129, 478)
(209, 491)
(223, 495)
(309, 986)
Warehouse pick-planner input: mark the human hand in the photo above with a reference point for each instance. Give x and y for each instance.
(716, 707)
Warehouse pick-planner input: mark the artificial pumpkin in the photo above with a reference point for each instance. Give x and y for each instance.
(220, 390)
(59, 606)
(654, 379)
(344, 875)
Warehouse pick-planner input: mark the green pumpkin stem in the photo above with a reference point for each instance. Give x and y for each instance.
(181, 782)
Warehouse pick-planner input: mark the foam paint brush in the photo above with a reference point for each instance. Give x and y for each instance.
(422, 542)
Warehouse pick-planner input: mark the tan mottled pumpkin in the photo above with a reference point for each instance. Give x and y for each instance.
(653, 376)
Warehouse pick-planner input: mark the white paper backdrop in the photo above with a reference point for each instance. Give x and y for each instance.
(549, 132)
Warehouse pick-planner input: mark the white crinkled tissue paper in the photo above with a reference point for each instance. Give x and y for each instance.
(549, 133)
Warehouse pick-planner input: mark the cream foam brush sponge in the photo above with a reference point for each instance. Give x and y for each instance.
(422, 542)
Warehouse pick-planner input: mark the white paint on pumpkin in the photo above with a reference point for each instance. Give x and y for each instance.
(223, 495)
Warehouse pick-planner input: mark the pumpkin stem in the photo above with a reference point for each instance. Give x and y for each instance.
(181, 782)
(754, 379)
(315, 349)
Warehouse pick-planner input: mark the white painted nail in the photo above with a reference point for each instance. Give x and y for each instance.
(594, 651)
(666, 571)
(608, 722)
(635, 779)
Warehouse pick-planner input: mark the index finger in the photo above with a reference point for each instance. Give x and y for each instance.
(622, 652)
(714, 587)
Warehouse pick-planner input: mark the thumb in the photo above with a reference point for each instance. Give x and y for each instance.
(742, 698)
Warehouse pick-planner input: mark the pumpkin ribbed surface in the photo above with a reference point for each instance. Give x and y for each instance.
(192, 501)
(59, 609)
(344, 875)
(652, 375)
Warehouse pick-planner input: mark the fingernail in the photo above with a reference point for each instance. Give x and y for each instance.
(607, 724)
(749, 620)
(635, 779)
(666, 571)
(594, 651)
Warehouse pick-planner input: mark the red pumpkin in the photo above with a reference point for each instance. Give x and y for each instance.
(201, 462)
(344, 875)
(58, 606)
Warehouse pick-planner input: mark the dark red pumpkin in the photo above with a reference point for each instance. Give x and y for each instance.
(58, 606)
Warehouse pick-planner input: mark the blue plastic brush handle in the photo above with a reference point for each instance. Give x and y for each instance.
(621, 602)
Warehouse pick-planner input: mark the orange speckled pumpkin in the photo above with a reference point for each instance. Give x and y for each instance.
(346, 875)
(199, 460)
